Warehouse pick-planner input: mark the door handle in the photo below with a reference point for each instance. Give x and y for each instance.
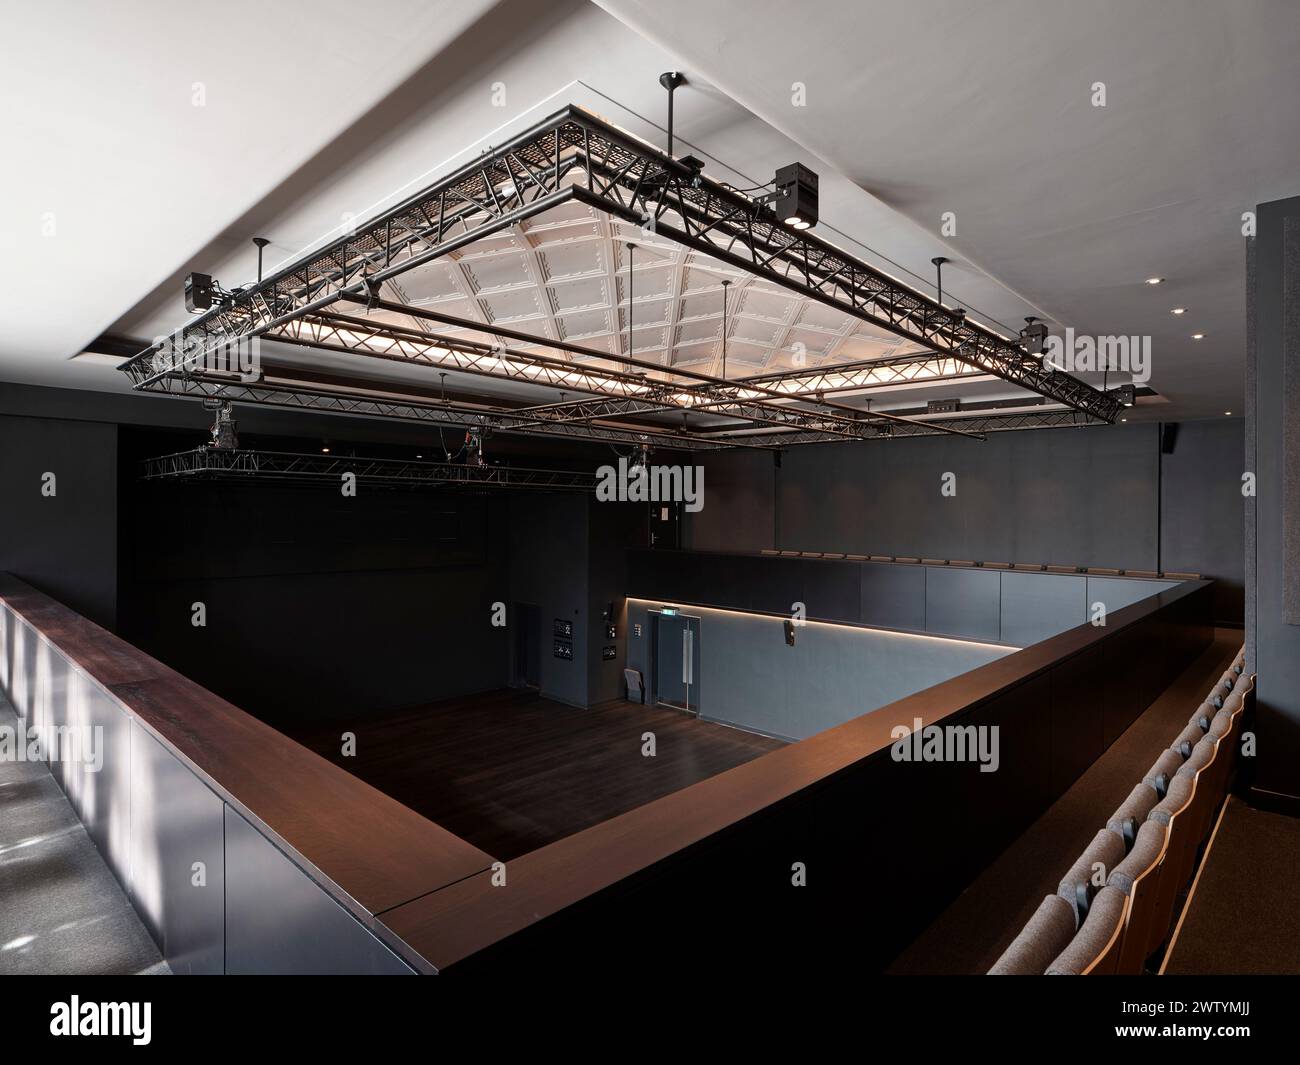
(686, 656)
(690, 657)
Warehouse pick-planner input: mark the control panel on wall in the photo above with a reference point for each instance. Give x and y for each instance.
(563, 628)
(609, 653)
(564, 650)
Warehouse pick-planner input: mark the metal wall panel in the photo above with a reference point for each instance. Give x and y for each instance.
(893, 596)
(1038, 605)
(51, 708)
(22, 693)
(279, 921)
(963, 602)
(97, 779)
(1117, 592)
(6, 648)
(176, 821)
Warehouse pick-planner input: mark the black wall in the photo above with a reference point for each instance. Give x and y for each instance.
(65, 544)
(318, 605)
(1089, 497)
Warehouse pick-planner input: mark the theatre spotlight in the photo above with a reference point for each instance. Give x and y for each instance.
(1033, 338)
(1126, 394)
(200, 292)
(796, 196)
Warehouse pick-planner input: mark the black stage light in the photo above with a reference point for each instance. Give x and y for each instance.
(199, 290)
(796, 196)
(1034, 336)
(1126, 394)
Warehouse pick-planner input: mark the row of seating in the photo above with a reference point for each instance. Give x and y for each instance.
(1028, 567)
(1113, 909)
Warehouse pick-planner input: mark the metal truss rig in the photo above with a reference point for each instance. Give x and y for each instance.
(576, 156)
(236, 465)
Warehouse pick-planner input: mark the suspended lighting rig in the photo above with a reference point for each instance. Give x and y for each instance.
(325, 298)
(211, 464)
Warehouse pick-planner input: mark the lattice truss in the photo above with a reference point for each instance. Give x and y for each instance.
(239, 465)
(579, 259)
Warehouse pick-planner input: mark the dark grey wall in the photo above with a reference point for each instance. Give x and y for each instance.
(1275, 429)
(748, 675)
(1202, 519)
(739, 503)
(1067, 496)
(548, 568)
(317, 605)
(1070, 496)
(65, 545)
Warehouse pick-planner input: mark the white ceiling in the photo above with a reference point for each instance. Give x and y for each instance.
(985, 110)
(914, 108)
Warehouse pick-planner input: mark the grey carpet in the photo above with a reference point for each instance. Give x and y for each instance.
(61, 910)
(1243, 916)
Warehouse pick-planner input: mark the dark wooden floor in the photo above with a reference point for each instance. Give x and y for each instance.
(510, 772)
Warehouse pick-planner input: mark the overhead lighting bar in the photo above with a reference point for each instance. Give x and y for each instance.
(212, 464)
(574, 156)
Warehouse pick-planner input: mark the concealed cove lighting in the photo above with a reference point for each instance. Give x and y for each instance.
(1179, 310)
(1154, 280)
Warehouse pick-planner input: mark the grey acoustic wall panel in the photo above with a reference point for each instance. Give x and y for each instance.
(1038, 605)
(750, 677)
(97, 776)
(893, 596)
(279, 921)
(178, 865)
(963, 602)
(1116, 592)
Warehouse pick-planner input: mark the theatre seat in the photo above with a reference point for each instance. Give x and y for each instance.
(770, 551)
(811, 554)
(790, 554)
(909, 561)
(1044, 936)
(934, 562)
(1029, 567)
(882, 558)
(1062, 569)
(959, 562)
(1160, 774)
(833, 554)
(1138, 877)
(1174, 575)
(1094, 950)
(1129, 816)
(996, 565)
(1077, 887)
(1102, 571)
(1140, 573)
(856, 558)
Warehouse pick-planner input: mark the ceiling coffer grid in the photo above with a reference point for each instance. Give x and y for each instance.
(574, 157)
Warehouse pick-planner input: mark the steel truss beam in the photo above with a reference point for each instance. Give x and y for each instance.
(980, 424)
(218, 464)
(299, 396)
(574, 155)
(638, 393)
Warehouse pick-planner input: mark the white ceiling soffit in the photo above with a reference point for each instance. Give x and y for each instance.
(533, 59)
(987, 111)
(135, 133)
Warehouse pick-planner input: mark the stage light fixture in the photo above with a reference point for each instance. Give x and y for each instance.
(1034, 336)
(1126, 394)
(200, 292)
(796, 196)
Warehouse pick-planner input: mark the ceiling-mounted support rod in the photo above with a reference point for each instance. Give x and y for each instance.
(671, 81)
(261, 243)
